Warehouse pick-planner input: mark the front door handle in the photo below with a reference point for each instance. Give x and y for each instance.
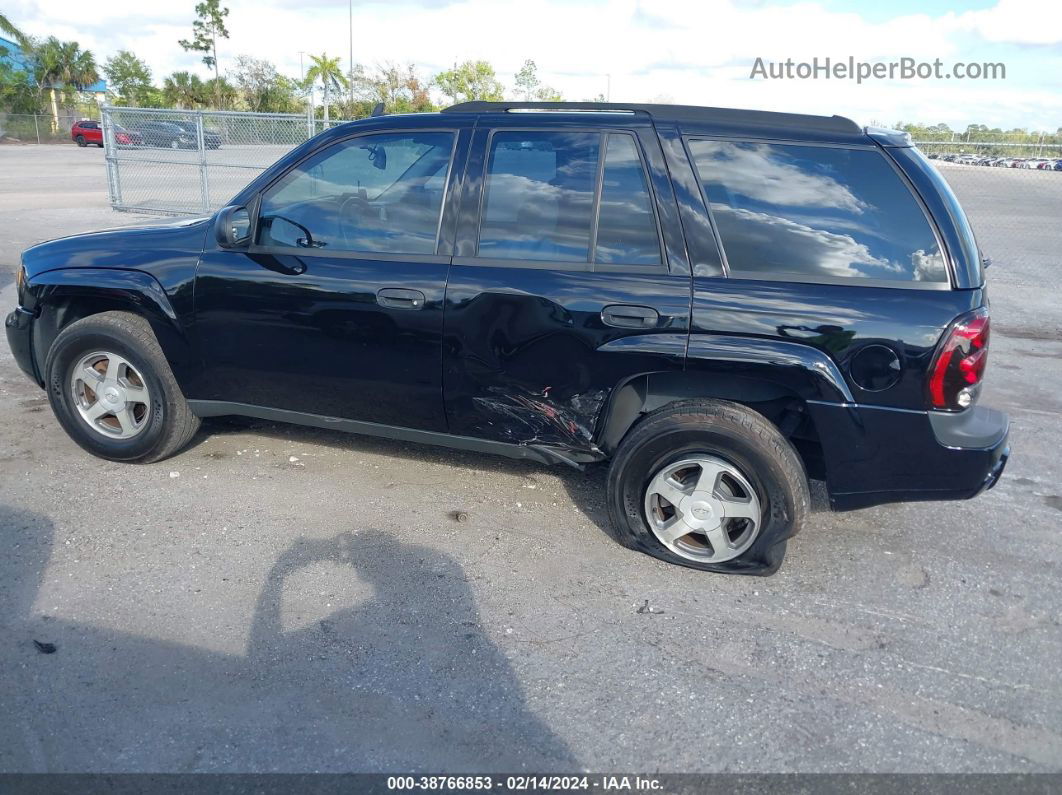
(400, 298)
(629, 316)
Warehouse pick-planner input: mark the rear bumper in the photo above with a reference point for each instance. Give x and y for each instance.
(19, 326)
(879, 455)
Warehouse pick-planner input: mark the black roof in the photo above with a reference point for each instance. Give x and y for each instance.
(727, 118)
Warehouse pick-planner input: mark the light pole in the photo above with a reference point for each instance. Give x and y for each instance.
(309, 95)
(608, 87)
(350, 22)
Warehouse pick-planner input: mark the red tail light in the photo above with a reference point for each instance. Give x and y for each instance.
(955, 377)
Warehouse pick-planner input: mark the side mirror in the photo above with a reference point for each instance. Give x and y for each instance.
(232, 227)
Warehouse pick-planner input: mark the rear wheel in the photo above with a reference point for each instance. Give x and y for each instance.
(80, 140)
(113, 392)
(708, 484)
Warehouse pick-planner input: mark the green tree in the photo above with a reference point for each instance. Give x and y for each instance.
(130, 78)
(183, 89)
(223, 93)
(470, 81)
(399, 88)
(61, 66)
(262, 88)
(326, 70)
(16, 94)
(9, 28)
(527, 80)
(206, 30)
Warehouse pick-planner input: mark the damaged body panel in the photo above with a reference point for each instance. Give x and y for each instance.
(537, 365)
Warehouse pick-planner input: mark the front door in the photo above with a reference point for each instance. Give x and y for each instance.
(336, 308)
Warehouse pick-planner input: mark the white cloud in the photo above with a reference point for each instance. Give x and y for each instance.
(1018, 22)
(693, 52)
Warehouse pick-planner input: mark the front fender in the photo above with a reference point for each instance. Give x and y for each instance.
(61, 296)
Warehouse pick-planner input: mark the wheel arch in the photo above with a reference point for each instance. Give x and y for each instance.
(775, 379)
(66, 295)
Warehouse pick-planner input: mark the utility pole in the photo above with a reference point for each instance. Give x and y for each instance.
(350, 20)
(608, 88)
(309, 96)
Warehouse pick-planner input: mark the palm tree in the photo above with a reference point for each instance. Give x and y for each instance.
(183, 89)
(20, 38)
(65, 64)
(328, 72)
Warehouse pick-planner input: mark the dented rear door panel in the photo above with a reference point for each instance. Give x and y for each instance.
(527, 358)
(527, 355)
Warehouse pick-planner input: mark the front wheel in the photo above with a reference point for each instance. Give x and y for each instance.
(112, 390)
(708, 484)
(80, 140)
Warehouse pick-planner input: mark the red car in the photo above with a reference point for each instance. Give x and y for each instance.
(87, 132)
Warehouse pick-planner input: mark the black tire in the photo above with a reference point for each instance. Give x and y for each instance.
(725, 430)
(80, 140)
(170, 423)
(100, 145)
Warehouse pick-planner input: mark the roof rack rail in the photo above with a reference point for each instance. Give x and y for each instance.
(691, 113)
(483, 106)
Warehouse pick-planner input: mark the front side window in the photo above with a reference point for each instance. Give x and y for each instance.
(815, 211)
(374, 193)
(543, 188)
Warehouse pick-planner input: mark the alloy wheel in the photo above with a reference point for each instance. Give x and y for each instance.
(110, 395)
(703, 508)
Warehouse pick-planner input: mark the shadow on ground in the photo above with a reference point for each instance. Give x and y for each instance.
(405, 680)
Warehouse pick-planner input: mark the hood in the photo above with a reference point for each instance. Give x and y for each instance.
(144, 248)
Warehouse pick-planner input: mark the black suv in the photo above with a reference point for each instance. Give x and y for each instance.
(721, 303)
(176, 135)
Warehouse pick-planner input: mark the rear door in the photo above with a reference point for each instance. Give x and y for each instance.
(336, 308)
(569, 276)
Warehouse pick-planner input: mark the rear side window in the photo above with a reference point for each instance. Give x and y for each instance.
(578, 197)
(626, 226)
(815, 212)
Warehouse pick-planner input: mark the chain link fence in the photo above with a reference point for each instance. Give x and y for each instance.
(1012, 193)
(27, 128)
(192, 162)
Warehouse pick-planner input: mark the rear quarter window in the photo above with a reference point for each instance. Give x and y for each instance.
(815, 213)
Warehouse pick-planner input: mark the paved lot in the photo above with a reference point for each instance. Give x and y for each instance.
(285, 599)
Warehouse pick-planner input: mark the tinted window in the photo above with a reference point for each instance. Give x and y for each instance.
(379, 193)
(815, 211)
(539, 196)
(626, 226)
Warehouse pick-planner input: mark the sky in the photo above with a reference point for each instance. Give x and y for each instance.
(697, 52)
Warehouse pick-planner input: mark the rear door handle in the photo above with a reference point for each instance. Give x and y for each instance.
(628, 316)
(400, 298)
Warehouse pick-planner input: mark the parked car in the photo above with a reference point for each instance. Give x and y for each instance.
(720, 303)
(211, 138)
(166, 135)
(125, 138)
(85, 132)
